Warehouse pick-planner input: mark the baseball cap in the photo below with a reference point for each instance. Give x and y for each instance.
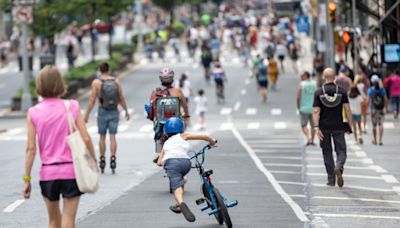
(374, 78)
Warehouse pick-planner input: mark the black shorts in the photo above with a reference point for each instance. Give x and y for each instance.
(263, 84)
(281, 57)
(219, 81)
(54, 188)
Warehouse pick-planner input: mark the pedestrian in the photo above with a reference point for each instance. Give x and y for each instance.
(393, 85)
(294, 56)
(281, 51)
(361, 81)
(343, 80)
(304, 100)
(70, 49)
(109, 92)
(273, 72)
(262, 79)
(378, 102)
(201, 108)
(48, 127)
(329, 101)
(319, 65)
(176, 161)
(206, 59)
(356, 101)
(186, 87)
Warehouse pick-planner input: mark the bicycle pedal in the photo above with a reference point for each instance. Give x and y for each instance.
(232, 203)
(200, 201)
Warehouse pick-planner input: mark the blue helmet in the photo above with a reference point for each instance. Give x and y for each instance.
(174, 125)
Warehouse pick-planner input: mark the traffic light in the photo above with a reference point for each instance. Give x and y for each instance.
(332, 12)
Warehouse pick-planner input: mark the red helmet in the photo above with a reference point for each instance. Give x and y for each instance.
(167, 75)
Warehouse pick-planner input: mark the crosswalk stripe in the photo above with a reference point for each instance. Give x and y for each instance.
(226, 126)
(225, 111)
(253, 126)
(276, 111)
(390, 179)
(388, 125)
(280, 125)
(251, 111)
(123, 127)
(146, 128)
(237, 106)
(92, 129)
(243, 92)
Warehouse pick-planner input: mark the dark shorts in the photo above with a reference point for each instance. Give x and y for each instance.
(176, 169)
(356, 118)
(219, 81)
(107, 120)
(54, 188)
(263, 84)
(306, 118)
(377, 118)
(281, 57)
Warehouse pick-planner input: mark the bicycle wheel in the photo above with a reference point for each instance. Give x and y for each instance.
(223, 208)
(218, 216)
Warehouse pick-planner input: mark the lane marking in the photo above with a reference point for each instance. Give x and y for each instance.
(251, 111)
(253, 126)
(10, 208)
(276, 111)
(243, 92)
(280, 125)
(324, 174)
(281, 157)
(15, 131)
(225, 127)
(229, 182)
(247, 81)
(237, 106)
(390, 179)
(355, 147)
(274, 141)
(123, 127)
(367, 161)
(388, 125)
(236, 60)
(285, 172)
(377, 168)
(348, 198)
(356, 216)
(146, 128)
(273, 151)
(225, 111)
(397, 189)
(284, 165)
(360, 154)
(278, 188)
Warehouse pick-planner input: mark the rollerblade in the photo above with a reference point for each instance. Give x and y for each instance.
(113, 164)
(102, 163)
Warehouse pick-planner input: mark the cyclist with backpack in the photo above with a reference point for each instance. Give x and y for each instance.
(176, 161)
(378, 102)
(262, 79)
(166, 102)
(206, 59)
(108, 90)
(219, 78)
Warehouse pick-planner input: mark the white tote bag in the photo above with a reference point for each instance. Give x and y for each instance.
(85, 167)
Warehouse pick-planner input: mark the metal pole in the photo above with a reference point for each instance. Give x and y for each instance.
(26, 101)
(330, 48)
(355, 38)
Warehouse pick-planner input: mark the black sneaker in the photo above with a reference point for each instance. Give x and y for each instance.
(332, 184)
(339, 177)
(187, 213)
(102, 163)
(175, 208)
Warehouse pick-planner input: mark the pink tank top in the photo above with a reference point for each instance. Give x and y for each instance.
(49, 118)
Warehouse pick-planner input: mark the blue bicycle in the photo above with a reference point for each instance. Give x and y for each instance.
(212, 196)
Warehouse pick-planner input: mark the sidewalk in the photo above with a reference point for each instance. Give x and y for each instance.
(234, 174)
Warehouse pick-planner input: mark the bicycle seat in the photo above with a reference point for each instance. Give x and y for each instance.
(208, 173)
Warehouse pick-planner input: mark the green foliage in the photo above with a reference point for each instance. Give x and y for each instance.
(122, 48)
(5, 4)
(81, 72)
(32, 90)
(178, 27)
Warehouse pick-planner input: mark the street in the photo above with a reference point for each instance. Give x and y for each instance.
(260, 161)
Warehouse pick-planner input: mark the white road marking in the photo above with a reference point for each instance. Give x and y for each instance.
(280, 125)
(236, 60)
(226, 127)
(243, 92)
(251, 111)
(360, 154)
(254, 125)
(282, 157)
(355, 147)
(276, 111)
(356, 216)
(346, 186)
(15, 131)
(388, 125)
(272, 151)
(247, 81)
(367, 161)
(324, 174)
(348, 198)
(225, 111)
(146, 128)
(269, 141)
(10, 208)
(284, 165)
(285, 172)
(123, 127)
(351, 167)
(390, 179)
(377, 168)
(229, 182)
(136, 136)
(196, 65)
(237, 106)
(92, 129)
(295, 207)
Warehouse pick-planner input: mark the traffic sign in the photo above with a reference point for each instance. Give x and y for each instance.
(23, 14)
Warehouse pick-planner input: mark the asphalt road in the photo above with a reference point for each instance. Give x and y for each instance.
(261, 162)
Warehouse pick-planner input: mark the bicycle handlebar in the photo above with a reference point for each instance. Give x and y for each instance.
(201, 153)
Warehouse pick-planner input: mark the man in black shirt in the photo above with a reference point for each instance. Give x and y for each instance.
(329, 102)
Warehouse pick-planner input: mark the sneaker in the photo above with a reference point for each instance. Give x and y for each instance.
(175, 208)
(332, 184)
(339, 177)
(361, 141)
(189, 216)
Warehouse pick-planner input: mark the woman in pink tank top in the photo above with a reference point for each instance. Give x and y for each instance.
(47, 122)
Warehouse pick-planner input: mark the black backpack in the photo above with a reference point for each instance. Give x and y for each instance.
(378, 101)
(109, 94)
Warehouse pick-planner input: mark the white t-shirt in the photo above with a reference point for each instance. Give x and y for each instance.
(186, 88)
(175, 147)
(281, 50)
(355, 105)
(201, 104)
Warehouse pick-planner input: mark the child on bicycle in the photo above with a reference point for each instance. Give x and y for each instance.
(176, 161)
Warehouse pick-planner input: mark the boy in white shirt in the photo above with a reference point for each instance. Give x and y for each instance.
(201, 108)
